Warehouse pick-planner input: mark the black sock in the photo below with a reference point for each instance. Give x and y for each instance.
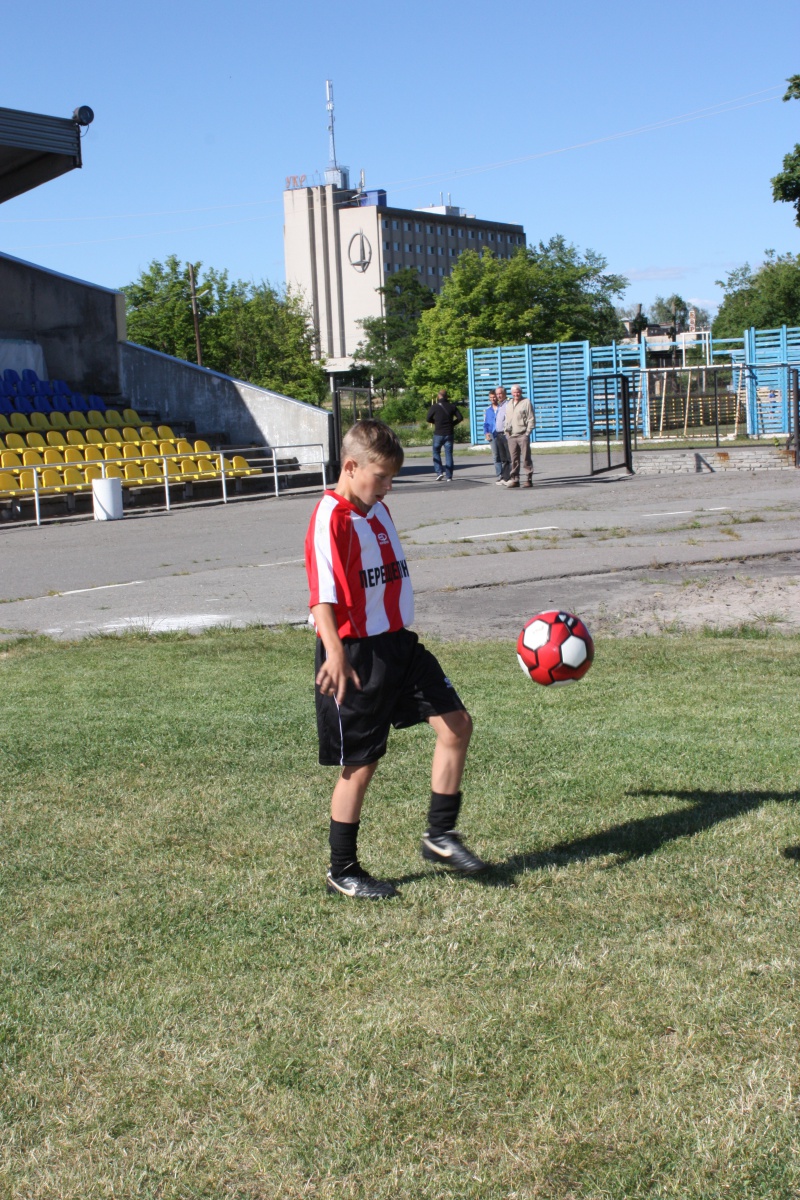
(343, 838)
(443, 812)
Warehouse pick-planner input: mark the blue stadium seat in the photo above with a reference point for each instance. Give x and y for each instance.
(7, 389)
(42, 404)
(79, 404)
(60, 388)
(6, 407)
(11, 376)
(62, 404)
(23, 405)
(44, 387)
(26, 388)
(29, 376)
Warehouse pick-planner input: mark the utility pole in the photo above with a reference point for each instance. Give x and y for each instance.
(194, 315)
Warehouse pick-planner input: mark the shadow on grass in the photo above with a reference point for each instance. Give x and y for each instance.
(642, 837)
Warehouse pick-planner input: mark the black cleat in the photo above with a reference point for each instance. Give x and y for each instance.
(356, 882)
(448, 850)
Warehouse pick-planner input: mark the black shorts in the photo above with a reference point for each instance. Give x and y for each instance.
(402, 685)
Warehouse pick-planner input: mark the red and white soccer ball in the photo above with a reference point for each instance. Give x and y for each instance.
(555, 647)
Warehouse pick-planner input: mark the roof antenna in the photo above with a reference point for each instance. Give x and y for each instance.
(338, 176)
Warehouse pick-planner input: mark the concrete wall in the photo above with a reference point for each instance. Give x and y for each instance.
(698, 462)
(218, 404)
(77, 324)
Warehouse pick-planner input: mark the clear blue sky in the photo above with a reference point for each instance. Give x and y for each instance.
(202, 109)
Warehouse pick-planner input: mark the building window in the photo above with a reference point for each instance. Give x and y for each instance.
(451, 232)
(461, 233)
(480, 235)
(408, 248)
(431, 270)
(394, 224)
(419, 270)
(471, 235)
(387, 245)
(499, 237)
(385, 224)
(397, 245)
(420, 249)
(441, 270)
(440, 249)
(407, 226)
(491, 237)
(417, 227)
(429, 229)
(431, 249)
(387, 268)
(452, 251)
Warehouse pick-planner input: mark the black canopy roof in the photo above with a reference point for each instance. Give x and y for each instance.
(34, 149)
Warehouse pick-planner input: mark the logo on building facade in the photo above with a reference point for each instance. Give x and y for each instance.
(359, 251)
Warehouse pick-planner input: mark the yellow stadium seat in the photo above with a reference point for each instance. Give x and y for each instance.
(188, 468)
(50, 479)
(4, 425)
(92, 471)
(113, 472)
(2, 445)
(92, 454)
(10, 461)
(20, 422)
(39, 421)
(26, 480)
(206, 468)
(95, 437)
(165, 434)
(56, 438)
(95, 419)
(73, 454)
(240, 466)
(166, 448)
(114, 418)
(148, 434)
(130, 451)
(131, 417)
(35, 441)
(201, 447)
(53, 457)
(133, 475)
(149, 449)
(184, 447)
(15, 441)
(73, 480)
(58, 420)
(112, 453)
(130, 434)
(31, 458)
(75, 437)
(78, 420)
(152, 472)
(113, 435)
(8, 485)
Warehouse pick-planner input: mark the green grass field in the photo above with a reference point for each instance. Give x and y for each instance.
(613, 1012)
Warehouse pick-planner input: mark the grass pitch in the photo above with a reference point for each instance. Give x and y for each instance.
(611, 1013)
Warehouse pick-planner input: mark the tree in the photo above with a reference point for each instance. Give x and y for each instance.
(674, 310)
(545, 293)
(766, 298)
(786, 184)
(389, 347)
(251, 331)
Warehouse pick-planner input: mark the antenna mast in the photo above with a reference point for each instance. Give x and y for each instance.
(338, 176)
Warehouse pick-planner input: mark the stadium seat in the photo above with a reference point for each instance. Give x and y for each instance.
(207, 469)
(50, 479)
(148, 434)
(189, 468)
(73, 455)
(75, 437)
(184, 447)
(26, 389)
(20, 422)
(131, 417)
(149, 449)
(92, 454)
(133, 475)
(44, 387)
(11, 376)
(6, 407)
(15, 441)
(53, 457)
(77, 419)
(56, 438)
(74, 480)
(112, 416)
(39, 422)
(61, 404)
(113, 471)
(58, 420)
(240, 466)
(23, 405)
(41, 404)
(26, 480)
(111, 453)
(29, 376)
(166, 448)
(8, 486)
(32, 458)
(79, 403)
(201, 447)
(94, 436)
(129, 434)
(4, 424)
(10, 461)
(165, 434)
(152, 472)
(95, 419)
(60, 388)
(130, 451)
(113, 435)
(35, 441)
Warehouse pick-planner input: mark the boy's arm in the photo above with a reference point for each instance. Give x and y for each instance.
(336, 672)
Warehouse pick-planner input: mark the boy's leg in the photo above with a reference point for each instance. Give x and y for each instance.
(346, 876)
(441, 843)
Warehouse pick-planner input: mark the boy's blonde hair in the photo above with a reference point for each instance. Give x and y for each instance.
(372, 441)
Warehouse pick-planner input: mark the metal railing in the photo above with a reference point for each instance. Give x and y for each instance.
(224, 471)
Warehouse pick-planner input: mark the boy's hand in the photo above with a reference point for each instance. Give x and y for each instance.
(334, 676)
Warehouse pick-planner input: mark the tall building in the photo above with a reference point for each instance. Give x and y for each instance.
(342, 244)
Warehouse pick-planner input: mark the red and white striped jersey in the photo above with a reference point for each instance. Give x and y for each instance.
(356, 563)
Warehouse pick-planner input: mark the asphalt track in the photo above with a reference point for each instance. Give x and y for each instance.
(482, 558)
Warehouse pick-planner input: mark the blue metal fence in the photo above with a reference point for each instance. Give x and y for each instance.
(555, 376)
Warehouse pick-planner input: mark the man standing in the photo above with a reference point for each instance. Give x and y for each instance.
(443, 416)
(489, 418)
(500, 435)
(519, 425)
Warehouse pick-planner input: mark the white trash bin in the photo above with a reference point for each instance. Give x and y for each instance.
(107, 499)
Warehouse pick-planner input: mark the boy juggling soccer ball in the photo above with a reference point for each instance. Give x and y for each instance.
(372, 671)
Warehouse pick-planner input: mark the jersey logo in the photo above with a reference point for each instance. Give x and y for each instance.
(383, 538)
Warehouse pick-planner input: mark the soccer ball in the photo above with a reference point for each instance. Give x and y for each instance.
(555, 647)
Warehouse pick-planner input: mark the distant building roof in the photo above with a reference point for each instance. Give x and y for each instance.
(34, 149)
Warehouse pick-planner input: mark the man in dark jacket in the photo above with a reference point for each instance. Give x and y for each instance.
(443, 416)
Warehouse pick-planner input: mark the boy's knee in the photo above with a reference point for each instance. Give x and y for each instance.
(458, 727)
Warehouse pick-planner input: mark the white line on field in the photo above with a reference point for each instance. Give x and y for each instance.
(679, 512)
(285, 562)
(505, 532)
(102, 588)
(722, 508)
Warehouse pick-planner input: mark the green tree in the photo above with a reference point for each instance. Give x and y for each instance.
(389, 348)
(765, 298)
(674, 310)
(786, 184)
(545, 293)
(251, 331)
